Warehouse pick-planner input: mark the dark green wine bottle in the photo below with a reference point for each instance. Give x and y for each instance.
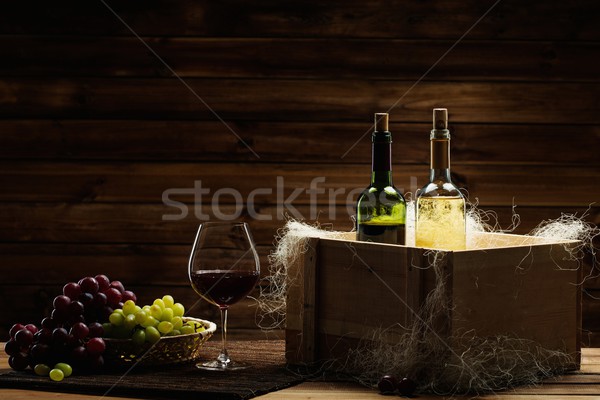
(381, 208)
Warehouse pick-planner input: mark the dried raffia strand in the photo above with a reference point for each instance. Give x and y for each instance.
(572, 227)
(420, 350)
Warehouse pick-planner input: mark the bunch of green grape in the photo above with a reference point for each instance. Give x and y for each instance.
(148, 323)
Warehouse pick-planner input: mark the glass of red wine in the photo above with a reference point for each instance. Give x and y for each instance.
(223, 269)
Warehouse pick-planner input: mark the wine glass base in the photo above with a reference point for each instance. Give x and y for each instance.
(221, 366)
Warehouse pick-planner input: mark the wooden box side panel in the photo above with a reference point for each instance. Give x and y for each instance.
(300, 306)
(363, 287)
(526, 292)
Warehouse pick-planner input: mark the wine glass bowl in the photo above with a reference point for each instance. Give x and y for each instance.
(223, 269)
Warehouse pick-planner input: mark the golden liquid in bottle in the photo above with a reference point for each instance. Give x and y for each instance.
(440, 223)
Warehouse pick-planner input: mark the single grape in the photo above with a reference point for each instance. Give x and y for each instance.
(24, 337)
(168, 300)
(141, 317)
(107, 328)
(65, 368)
(150, 321)
(165, 327)
(32, 328)
(89, 285)
(129, 295)
(41, 369)
(79, 330)
(72, 290)
(406, 386)
(79, 354)
(105, 313)
(160, 303)
(56, 375)
(178, 309)
(99, 300)
(167, 314)
(60, 335)
(76, 308)
(86, 298)
(177, 323)
(39, 352)
(113, 296)
(48, 323)
(61, 302)
(14, 329)
(128, 307)
(96, 329)
(156, 311)
(186, 330)
(116, 319)
(59, 316)
(19, 361)
(139, 337)
(73, 342)
(103, 282)
(43, 336)
(152, 334)
(95, 346)
(11, 347)
(146, 308)
(130, 322)
(387, 384)
(117, 285)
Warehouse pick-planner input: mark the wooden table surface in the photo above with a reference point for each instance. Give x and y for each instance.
(580, 385)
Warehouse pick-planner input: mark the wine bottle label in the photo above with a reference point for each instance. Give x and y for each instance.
(440, 154)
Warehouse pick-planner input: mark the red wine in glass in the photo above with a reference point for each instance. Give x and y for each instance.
(223, 287)
(223, 269)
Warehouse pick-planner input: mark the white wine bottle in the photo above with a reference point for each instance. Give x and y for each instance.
(440, 206)
(381, 208)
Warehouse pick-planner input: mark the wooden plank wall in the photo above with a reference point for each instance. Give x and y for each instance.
(94, 128)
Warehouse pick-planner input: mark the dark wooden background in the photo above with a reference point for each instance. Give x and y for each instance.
(94, 127)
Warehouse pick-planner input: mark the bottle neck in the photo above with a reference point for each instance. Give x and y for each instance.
(440, 157)
(381, 174)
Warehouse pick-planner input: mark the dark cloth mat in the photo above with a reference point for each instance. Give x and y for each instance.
(266, 374)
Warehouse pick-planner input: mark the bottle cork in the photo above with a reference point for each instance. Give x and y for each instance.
(440, 118)
(381, 122)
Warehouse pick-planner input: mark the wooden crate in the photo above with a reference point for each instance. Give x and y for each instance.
(519, 286)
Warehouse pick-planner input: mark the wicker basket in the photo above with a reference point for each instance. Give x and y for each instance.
(168, 350)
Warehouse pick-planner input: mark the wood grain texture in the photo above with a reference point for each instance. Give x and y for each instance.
(233, 183)
(510, 19)
(200, 141)
(101, 56)
(287, 99)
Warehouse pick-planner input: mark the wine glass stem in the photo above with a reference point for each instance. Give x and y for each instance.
(224, 357)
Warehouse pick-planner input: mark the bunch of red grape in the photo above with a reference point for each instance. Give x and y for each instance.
(73, 332)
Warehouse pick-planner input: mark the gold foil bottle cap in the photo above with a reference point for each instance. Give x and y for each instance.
(382, 122)
(440, 118)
